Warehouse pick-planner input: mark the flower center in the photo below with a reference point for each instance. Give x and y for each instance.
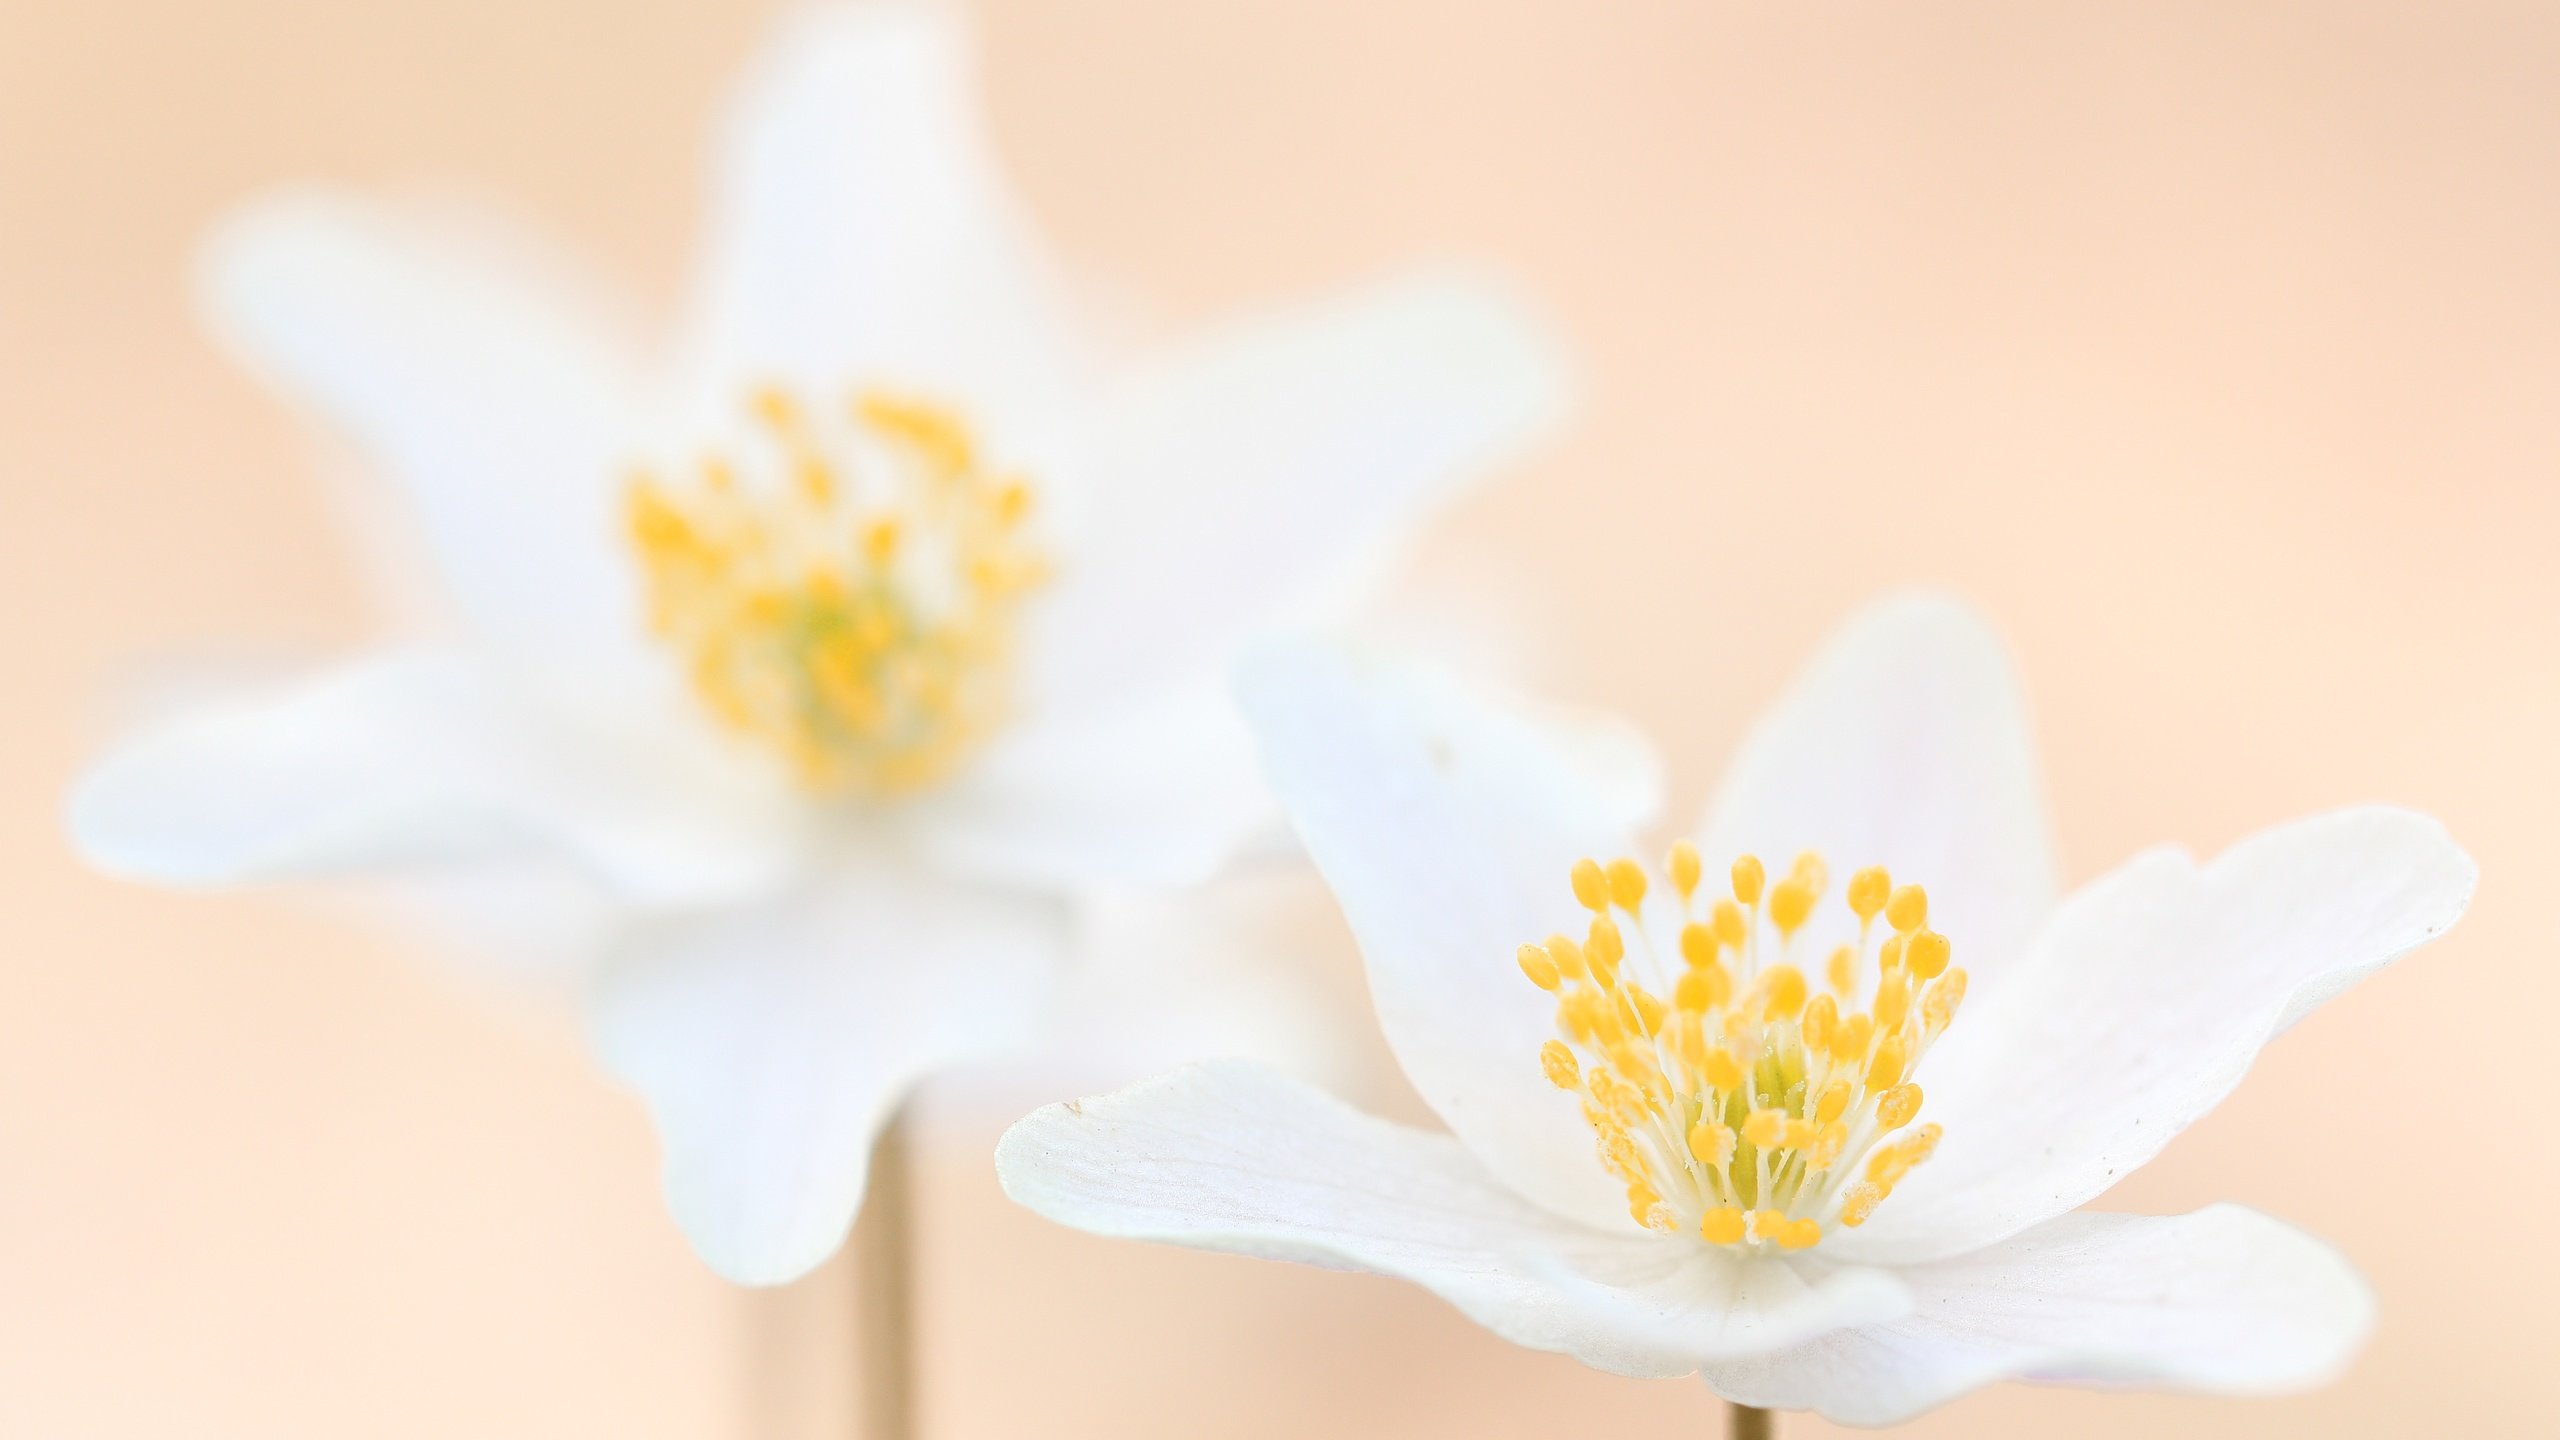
(1754, 1106)
(846, 591)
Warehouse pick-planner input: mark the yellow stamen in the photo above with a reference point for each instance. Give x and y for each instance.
(1626, 884)
(1908, 910)
(1748, 877)
(1868, 890)
(1591, 886)
(1728, 1099)
(855, 611)
(1685, 869)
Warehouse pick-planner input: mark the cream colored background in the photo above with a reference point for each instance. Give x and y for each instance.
(2214, 347)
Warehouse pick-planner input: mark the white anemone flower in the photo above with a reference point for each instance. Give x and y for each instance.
(805, 671)
(1730, 1117)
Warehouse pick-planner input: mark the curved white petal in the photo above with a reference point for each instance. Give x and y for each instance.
(1252, 965)
(1256, 477)
(2225, 1301)
(1160, 789)
(860, 231)
(770, 1043)
(463, 368)
(1228, 1156)
(2143, 1004)
(1447, 826)
(414, 759)
(1904, 744)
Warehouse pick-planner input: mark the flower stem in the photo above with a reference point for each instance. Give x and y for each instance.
(884, 1287)
(1749, 1423)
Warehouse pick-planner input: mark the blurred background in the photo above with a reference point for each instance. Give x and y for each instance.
(2214, 348)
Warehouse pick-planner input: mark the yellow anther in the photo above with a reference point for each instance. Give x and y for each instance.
(1697, 944)
(1889, 954)
(1560, 1065)
(1849, 1042)
(1833, 1104)
(931, 434)
(1908, 910)
(774, 406)
(1605, 945)
(1602, 953)
(859, 648)
(1782, 992)
(1842, 970)
(1797, 1135)
(1820, 1018)
(1923, 1142)
(1764, 1128)
(1748, 878)
(880, 541)
(1927, 954)
(1648, 1009)
(1886, 1167)
(1642, 1203)
(1799, 1234)
(1618, 1150)
(1711, 1143)
(1898, 1107)
(817, 482)
(1590, 885)
(1790, 904)
(1939, 1010)
(1013, 501)
(1812, 870)
(1868, 891)
(1568, 958)
(1723, 1225)
(1827, 1144)
(1893, 1001)
(1858, 1202)
(1722, 1072)
(1540, 967)
(1767, 1224)
(1885, 1070)
(1644, 1078)
(1626, 883)
(1727, 922)
(1685, 869)
(1702, 989)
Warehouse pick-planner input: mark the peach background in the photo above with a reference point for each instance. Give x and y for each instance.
(2214, 347)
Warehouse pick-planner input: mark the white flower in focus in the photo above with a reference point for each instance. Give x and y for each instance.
(803, 673)
(1816, 1124)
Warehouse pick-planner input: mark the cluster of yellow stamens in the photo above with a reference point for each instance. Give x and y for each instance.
(1737, 1098)
(848, 593)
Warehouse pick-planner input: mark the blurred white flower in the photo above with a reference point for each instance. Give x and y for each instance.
(1773, 1201)
(802, 677)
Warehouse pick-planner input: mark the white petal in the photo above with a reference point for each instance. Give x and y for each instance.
(1160, 789)
(771, 1043)
(2143, 1004)
(1904, 744)
(413, 759)
(1253, 964)
(860, 230)
(1257, 477)
(1448, 826)
(2224, 1301)
(467, 372)
(1228, 1156)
